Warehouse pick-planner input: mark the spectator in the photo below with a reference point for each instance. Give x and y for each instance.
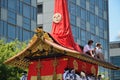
(24, 76)
(83, 75)
(99, 77)
(98, 52)
(88, 49)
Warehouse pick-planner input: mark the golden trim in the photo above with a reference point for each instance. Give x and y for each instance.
(49, 77)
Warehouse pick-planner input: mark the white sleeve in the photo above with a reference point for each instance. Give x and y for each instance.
(86, 48)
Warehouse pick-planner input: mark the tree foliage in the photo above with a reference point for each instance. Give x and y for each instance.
(8, 50)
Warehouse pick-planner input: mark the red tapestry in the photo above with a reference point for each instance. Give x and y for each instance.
(61, 29)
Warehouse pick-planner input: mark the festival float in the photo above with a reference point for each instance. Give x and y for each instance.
(48, 54)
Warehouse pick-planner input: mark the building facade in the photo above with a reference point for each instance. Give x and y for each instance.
(89, 20)
(18, 19)
(115, 59)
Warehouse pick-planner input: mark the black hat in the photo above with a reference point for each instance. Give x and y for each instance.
(24, 72)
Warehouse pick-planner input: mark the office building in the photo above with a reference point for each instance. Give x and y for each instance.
(89, 20)
(18, 19)
(115, 59)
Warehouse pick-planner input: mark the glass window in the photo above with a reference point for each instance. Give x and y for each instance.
(88, 16)
(77, 2)
(78, 21)
(5, 28)
(101, 23)
(11, 31)
(72, 9)
(77, 32)
(105, 5)
(19, 20)
(83, 24)
(17, 32)
(73, 19)
(92, 1)
(27, 1)
(3, 14)
(100, 13)
(11, 17)
(26, 23)
(78, 11)
(105, 25)
(83, 3)
(73, 1)
(92, 28)
(92, 8)
(33, 25)
(83, 37)
(96, 20)
(21, 34)
(88, 34)
(26, 35)
(73, 31)
(33, 13)
(83, 14)
(26, 11)
(12, 5)
(101, 33)
(19, 7)
(40, 8)
(1, 27)
(100, 4)
(92, 19)
(3, 3)
(34, 3)
(92, 37)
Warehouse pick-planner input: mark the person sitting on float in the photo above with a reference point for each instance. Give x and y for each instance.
(98, 52)
(88, 48)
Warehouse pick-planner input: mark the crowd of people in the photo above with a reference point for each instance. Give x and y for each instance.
(70, 74)
(94, 52)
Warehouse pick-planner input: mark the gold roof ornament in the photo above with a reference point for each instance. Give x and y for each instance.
(42, 46)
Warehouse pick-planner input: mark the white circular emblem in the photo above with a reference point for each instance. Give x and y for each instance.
(57, 17)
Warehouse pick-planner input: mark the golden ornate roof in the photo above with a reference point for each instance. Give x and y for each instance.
(43, 46)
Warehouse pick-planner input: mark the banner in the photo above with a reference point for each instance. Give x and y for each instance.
(61, 30)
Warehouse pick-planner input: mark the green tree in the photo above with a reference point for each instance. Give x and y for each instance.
(8, 50)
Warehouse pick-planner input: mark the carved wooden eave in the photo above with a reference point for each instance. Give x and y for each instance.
(42, 46)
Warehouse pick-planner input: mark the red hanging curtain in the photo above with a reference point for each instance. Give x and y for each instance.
(61, 29)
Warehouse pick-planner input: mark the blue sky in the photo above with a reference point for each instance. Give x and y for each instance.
(114, 20)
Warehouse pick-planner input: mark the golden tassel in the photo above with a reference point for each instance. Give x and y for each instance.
(38, 70)
(54, 73)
